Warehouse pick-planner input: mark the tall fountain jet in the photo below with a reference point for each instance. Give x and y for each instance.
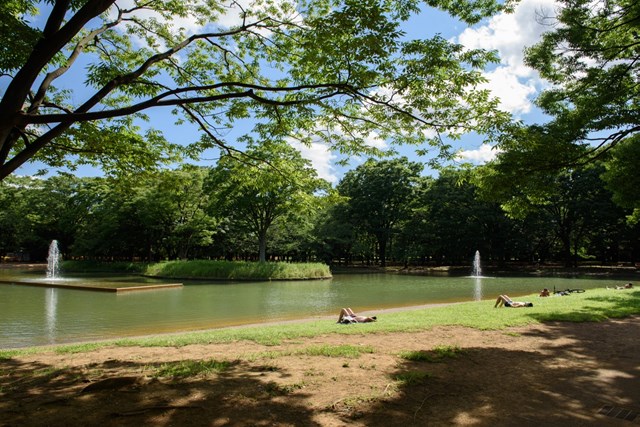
(477, 269)
(53, 260)
(477, 274)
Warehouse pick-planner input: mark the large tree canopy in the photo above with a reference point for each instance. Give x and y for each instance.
(591, 57)
(254, 194)
(378, 194)
(79, 77)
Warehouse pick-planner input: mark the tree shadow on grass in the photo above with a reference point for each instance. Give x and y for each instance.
(33, 394)
(571, 380)
(573, 371)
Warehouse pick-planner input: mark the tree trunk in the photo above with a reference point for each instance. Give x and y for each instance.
(262, 242)
(382, 248)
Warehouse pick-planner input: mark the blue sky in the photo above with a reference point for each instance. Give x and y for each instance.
(515, 84)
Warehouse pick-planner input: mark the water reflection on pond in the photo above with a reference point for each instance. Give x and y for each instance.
(37, 316)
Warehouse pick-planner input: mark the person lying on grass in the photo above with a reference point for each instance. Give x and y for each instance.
(348, 316)
(625, 286)
(508, 302)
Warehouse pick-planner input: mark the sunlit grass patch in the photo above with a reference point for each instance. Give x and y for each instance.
(447, 351)
(79, 348)
(190, 368)
(344, 350)
(416, 356)
(437, 354)
(411, 377)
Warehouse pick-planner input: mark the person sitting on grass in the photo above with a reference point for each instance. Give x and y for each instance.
(544, 292)
(508, 302)
(348, 316)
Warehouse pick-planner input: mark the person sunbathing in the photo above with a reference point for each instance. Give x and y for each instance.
(625, 286)
(544, 292)
(348, 316)
(508, 302)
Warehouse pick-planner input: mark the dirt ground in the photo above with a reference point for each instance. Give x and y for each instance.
(556, 374)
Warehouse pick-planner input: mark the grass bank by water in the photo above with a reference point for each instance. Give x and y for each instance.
(592, 306)
(205, 269)
(238, 270)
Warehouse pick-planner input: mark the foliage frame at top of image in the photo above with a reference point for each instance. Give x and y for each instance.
(590, 57)
(327, 70)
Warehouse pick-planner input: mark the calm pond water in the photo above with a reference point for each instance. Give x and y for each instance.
(38, 316)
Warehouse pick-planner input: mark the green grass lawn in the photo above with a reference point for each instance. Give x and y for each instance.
(591, 306)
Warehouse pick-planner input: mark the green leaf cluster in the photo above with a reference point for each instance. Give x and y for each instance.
(334, 71)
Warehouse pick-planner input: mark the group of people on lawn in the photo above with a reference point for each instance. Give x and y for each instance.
(347, 315)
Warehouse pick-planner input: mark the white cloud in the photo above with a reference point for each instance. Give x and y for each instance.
(482, 155)
(509, 34)
(374, 140)
(515, 95)
(321, 159)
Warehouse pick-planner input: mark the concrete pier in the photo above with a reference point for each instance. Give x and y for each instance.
(101, 287)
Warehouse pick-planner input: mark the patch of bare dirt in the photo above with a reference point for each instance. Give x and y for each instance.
(557, 374)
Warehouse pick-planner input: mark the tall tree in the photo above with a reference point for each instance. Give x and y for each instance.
(335, 70)
(334, 234)
(379, 195)
(271, 182)
(173, 204)
(113, 228)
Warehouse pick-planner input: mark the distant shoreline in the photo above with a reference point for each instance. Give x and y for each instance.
(530, 269)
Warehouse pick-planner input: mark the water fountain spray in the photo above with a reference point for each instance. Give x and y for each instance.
(477, 269)
(53, 260)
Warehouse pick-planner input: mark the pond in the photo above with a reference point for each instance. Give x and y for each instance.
(32, 316)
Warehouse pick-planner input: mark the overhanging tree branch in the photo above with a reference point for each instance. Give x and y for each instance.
(281, 67)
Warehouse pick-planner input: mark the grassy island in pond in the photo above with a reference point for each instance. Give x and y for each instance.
(238, 270)
(210, 270)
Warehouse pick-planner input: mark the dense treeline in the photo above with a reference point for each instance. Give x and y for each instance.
(565, 190)
(381, 212)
